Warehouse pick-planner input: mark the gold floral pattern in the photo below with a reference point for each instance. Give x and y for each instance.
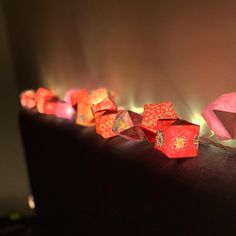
(179, 142)
(196, 141)
(153, 112)
(160, 138)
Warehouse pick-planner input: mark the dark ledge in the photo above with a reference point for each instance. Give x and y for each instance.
(85, 184)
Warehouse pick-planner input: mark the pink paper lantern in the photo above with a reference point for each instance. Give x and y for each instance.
(64, 110)
(220, 116)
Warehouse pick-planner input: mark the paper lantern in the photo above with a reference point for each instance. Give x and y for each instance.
(48, 106)
(154, 112)
(177, 138)
(41, 96)
(98, 95)
(27, 99)
(128, 125)
(64, 110)
(104, 125)
(85, 115)
(42, 93)
(106, 105)
(104, 114)
(220, 116)
(75, 96)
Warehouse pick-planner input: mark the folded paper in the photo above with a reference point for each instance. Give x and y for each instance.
(75, 96)
(90, 103)
(154, 112)
(84, 113)
(42, 93)
(41, 96)
(128, 125)
(64, 110)
(220, 116)
(177, 138)
(104, 125)
(105, 113)
(106, 105)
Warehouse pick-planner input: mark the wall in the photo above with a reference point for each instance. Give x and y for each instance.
(14, 188)
(148, 51)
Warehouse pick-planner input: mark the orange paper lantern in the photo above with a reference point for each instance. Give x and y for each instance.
(27, 99)
(154, 112)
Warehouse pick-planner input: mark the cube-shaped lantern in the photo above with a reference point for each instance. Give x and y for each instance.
(220, 116)
(105, 123)
(43, 93)
(128, 125)
(85, 114)
(106, 105)
(75, 96)
(98, 95)
(48, 106)
(154, 112)
(178, 139)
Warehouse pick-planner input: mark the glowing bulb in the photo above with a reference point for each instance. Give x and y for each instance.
(31, 202)
(137, 109)
(198, 120)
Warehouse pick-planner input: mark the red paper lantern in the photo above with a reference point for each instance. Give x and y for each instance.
(106, 105)
(105, 113)
(177, 138)
(64, 110)
(42, 93)
(92, 105)
(104, 125)
(48, 106)
(154, 112)
(76, 96)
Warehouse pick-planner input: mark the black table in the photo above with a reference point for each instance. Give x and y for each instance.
(85, 185)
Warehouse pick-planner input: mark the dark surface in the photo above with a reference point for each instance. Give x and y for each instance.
(87, 185)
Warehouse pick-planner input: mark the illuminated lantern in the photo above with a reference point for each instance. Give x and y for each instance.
(86, 101)
(104, 125)
(128, 125)
(42, 93)
(27, 99)
(76, 96)
(220, 116)
(85, 115)
(87, 110)
(105, 113)
(57, 108)
(154, 112)
(98, 95)
(84, 112)
(64, 110)
(41, 96)
(177, 138)
(106, 105)
(48, 106)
